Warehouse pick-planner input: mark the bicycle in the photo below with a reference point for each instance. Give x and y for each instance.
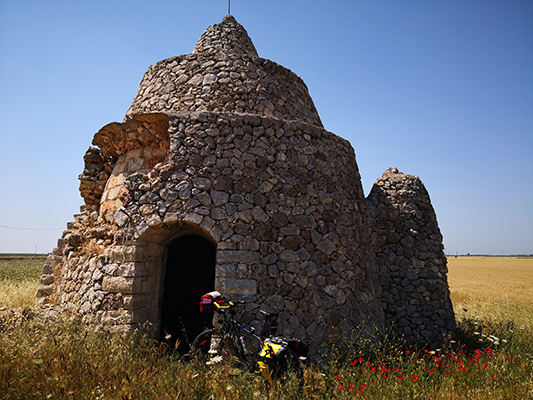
(238, 344)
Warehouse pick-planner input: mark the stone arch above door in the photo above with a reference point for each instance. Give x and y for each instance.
(165, 232)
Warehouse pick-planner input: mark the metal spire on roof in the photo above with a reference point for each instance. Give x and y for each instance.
(229, 7)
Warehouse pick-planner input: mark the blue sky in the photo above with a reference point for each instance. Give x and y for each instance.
(439, 89)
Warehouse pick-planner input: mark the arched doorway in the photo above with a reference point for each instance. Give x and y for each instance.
(189, 272)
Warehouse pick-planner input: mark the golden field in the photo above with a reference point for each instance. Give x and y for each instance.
(492, 288)
(19, 280)
(491, 279)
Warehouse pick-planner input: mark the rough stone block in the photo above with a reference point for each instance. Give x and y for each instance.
(47, 279)
(44, 291)
(119, 284)
(236, 286)
(235, 256)
(132, 269)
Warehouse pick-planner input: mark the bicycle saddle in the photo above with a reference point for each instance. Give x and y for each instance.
(267, 315)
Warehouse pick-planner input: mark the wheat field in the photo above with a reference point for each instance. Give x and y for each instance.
(491, 279)
(19, 280)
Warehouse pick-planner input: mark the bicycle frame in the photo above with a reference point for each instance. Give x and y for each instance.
(239, 333)
(271, 354)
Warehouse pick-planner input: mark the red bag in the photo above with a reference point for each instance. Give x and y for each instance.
(207, 303)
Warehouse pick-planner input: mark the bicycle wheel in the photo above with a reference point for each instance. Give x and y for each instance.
(213, 346)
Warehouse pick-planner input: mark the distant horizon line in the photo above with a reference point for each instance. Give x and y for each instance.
(447, 255)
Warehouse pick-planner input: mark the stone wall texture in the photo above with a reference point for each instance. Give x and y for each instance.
(229, 146)
(410, 257)
(224, 74)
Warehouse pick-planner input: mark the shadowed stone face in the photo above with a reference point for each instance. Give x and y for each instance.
(410, 257)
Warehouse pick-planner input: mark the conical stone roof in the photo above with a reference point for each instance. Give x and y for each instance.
(227, 37)
(224, 74)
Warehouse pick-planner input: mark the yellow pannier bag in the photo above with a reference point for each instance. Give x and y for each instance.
(273, 357)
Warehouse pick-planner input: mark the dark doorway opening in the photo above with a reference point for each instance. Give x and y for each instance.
(189, 273)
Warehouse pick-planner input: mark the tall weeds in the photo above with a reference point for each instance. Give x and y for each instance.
(491, 358)
(40, 359)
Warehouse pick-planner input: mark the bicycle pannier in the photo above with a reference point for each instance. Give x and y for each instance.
(207, 303)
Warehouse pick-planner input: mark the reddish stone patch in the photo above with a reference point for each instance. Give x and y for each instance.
(153, 161)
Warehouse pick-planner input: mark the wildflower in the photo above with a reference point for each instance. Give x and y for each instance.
(214, 360)
(415, 378)
(400, 377)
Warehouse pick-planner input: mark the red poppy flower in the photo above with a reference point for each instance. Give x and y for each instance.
(415, 378)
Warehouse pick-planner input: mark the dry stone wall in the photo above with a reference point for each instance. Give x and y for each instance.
(235, 81)
(410, 258)
(94, 177)
(281, 201)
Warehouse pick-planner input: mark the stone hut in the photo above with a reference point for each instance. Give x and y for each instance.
(221, 176)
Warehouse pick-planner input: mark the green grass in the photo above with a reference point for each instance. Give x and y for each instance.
(65, 359)
(19, 279)
(492, 358)
(21, 269)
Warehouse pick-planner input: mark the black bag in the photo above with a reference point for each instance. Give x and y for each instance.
(278, 355)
